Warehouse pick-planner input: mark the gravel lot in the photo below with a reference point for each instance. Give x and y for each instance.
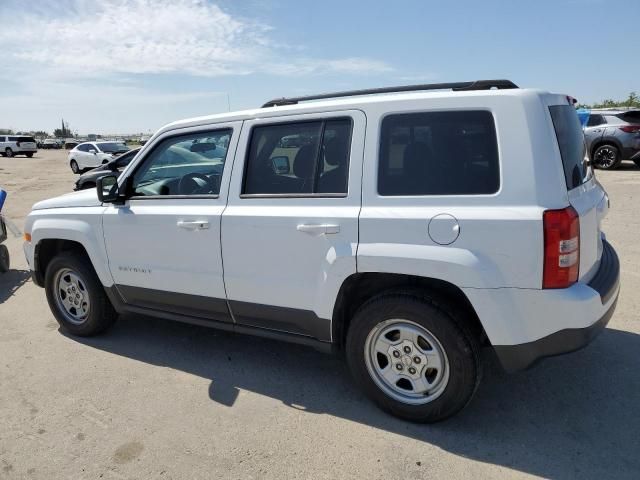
(154, 399)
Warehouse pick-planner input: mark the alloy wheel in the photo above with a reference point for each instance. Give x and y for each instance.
(606, 157)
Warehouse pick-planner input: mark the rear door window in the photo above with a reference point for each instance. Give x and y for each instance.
(300, 158)
(571, 143)
(438, 153)
(595, 120)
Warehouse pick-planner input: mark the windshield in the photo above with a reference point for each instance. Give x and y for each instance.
(571, 142)
(113, 147)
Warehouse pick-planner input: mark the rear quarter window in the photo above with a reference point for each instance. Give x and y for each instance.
(571, 143)
(438, 153)
(631, 117)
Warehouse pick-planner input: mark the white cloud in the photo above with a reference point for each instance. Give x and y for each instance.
(194, 37)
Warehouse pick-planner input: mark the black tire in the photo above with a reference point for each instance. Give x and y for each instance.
(74, 167)
(29, 155)
(461, 347)
(101, 314)
(5, 262)
(8, 152)
(606, 157)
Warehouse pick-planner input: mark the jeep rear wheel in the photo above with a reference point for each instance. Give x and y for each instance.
(76, 296)
(413, 357)
(606, 157)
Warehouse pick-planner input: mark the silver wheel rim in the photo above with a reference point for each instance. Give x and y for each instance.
(406, 361)
(606, 157)
(72, 296)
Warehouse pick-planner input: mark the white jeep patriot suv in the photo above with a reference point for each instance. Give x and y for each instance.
(408, 227)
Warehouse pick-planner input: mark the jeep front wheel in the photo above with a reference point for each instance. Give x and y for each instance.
(76, 296)
(413, 357)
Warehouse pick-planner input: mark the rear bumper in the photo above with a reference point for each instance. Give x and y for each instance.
(606, 284)
(520, 357)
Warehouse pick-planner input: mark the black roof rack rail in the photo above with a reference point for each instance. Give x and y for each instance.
(455, 86)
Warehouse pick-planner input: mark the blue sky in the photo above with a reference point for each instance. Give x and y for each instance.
(125, 66)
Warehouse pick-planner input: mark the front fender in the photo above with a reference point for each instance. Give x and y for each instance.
(81, 225)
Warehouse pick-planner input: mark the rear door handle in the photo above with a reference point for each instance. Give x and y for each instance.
(193, 225)
(322, 229)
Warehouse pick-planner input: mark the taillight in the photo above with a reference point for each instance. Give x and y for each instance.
(630, 128)
(561, 248)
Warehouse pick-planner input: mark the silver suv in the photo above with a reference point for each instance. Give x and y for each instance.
(613, 135)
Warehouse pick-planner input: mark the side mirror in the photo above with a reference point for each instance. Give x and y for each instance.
(280, 164)
(92, 151)
(107, 187)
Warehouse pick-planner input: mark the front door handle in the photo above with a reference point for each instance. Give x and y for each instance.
(193, 225)
(323, 229)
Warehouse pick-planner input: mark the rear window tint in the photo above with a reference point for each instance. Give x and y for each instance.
(571, 142)
(631, 117)
(438, 153)
(21, 139)
(595, 120)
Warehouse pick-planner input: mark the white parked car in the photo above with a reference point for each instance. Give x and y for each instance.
(51, 143)
(12, 145)
(409, 228)
(93, 154)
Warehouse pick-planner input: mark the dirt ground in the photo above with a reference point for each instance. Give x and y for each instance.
(154, 399)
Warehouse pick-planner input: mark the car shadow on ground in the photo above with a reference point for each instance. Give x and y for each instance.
(571, 416)
(627, 166)
(10, 282)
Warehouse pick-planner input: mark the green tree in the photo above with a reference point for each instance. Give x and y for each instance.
(632, 101)
(6, 131)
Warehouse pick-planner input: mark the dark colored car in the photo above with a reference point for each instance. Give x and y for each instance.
(4, 251)
(88, 179)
